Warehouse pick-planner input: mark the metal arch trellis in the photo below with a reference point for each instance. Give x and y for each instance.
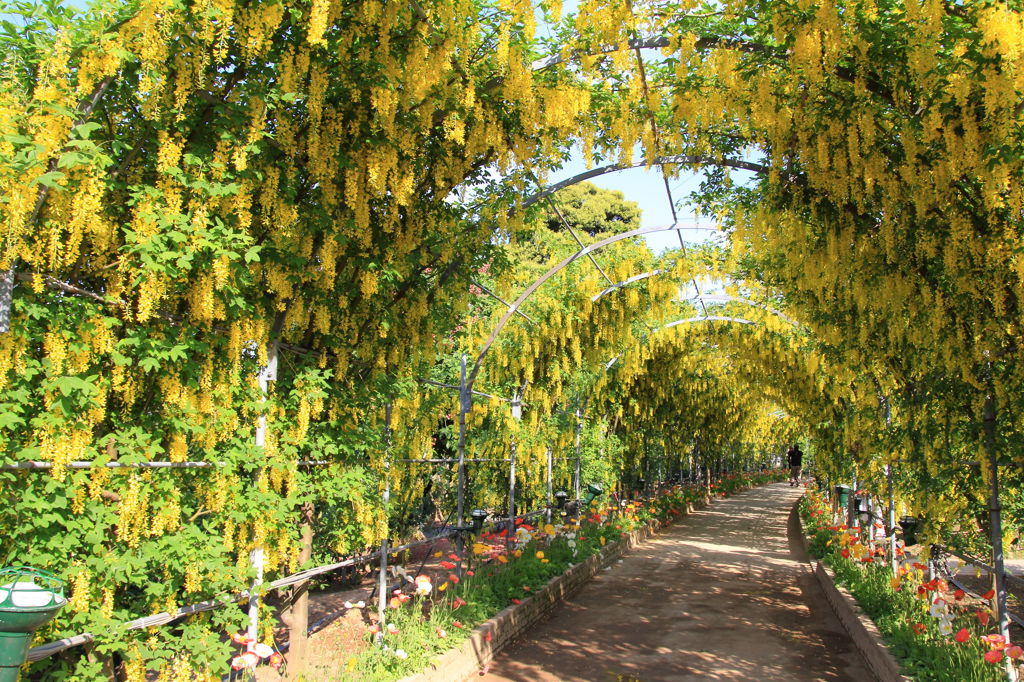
(466, 393)
(465, 388)
(674, 159)
(466, 382)
(530, 290)
(727, 298)
(713, 298)
(689, 320)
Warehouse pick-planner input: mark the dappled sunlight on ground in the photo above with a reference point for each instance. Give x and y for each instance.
(719, 596)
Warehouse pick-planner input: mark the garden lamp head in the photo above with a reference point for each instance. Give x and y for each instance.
(560, 497)
(593, 491)
(910, 524)
(478, 516)
(29, 598)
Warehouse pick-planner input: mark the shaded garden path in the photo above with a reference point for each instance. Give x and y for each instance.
(722, 595)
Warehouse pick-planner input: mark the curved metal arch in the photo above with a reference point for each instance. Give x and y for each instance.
(626, 282)
(688, 320)
(513, 309)
(679, 159)
(706, 318)
(726, 298)
(713, 298)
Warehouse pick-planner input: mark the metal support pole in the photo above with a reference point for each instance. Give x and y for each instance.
(647, 465)
(891, 520)
(256, 558)
(550, 498)
(851, 513)
(382, 578)
(995, 516)
(869, 504)
(517, 414)
(6, 298)
(465, 404)
(891, 530)
(576, 477)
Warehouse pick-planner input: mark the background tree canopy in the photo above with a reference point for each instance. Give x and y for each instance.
(596, 211)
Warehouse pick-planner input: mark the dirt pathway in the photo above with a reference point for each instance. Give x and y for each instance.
(720, 596)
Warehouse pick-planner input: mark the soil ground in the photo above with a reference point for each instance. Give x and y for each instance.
(723, 595)
(339, 633)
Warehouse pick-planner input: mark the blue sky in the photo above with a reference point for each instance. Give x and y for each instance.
(648, 190)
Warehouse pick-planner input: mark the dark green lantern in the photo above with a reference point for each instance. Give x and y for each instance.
(29, 598)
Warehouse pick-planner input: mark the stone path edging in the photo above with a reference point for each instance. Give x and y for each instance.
(493, 635)
(862, 630)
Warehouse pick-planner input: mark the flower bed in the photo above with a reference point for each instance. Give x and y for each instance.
(433, 614)
(935, 632)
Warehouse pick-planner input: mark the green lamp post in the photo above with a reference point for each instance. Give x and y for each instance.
(842, 495)
(29, 598)
(593, 491)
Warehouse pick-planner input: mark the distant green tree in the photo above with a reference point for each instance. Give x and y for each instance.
(596, 211)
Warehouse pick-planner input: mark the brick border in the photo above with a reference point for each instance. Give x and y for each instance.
(467, 659)
(858, 625)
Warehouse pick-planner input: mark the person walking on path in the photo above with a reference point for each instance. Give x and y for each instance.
(796, 460)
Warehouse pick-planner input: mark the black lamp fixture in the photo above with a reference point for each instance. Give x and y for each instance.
(478, 516)
(560, 497)
(910, 526)
(862, 508)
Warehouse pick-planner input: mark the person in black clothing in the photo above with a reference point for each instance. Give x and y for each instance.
(796, 460)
